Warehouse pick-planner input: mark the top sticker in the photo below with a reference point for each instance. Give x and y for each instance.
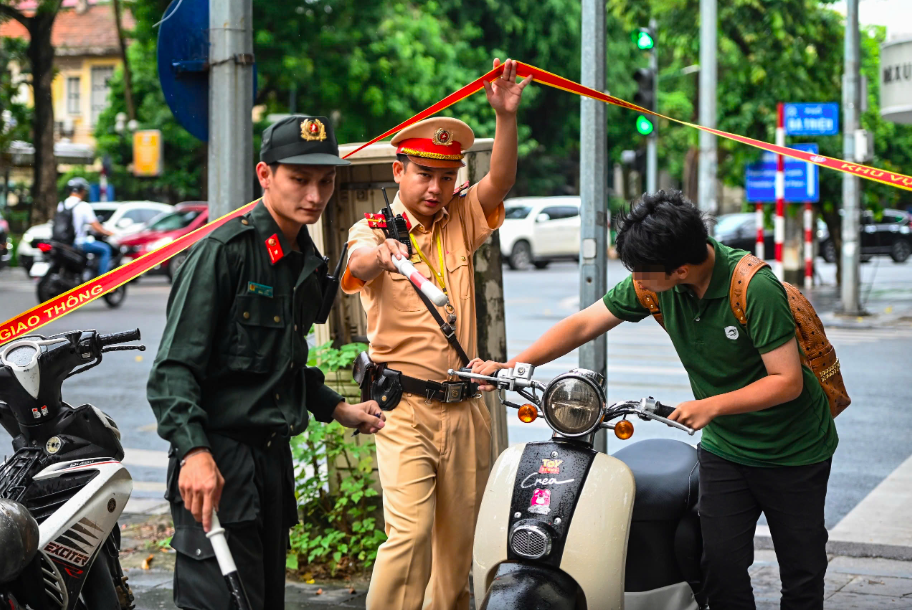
(550, 466)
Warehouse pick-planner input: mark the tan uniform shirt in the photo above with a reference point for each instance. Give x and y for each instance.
(402, 332)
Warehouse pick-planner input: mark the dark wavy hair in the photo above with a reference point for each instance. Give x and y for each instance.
(662, 231)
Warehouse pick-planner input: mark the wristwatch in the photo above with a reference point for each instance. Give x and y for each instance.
(193, 452)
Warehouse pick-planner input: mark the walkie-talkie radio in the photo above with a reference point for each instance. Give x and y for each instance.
(396, 226)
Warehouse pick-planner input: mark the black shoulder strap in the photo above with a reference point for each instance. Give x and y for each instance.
(448, 331)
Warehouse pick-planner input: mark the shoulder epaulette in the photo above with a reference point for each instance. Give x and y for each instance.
(376, 221)
(461, 191)
(232, 229)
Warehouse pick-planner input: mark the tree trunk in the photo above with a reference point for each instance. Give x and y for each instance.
(128, 79)
(41, 57)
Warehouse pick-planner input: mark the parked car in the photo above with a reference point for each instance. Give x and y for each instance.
(538, 230)
(740, 231)
(121, 217)
(6, 244)
(164, 229)
(891, 235)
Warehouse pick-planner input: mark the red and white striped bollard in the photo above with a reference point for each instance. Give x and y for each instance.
(779, 224)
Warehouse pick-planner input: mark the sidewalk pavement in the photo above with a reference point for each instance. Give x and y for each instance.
(888, 306)
(851, 583)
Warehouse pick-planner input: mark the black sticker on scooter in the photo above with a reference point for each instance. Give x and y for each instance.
(548, 482)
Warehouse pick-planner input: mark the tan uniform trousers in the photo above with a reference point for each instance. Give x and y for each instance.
(434, 460)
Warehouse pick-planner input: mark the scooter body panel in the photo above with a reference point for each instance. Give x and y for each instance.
(578, 500)
(596, 551)
(493, 527)
(71, 537)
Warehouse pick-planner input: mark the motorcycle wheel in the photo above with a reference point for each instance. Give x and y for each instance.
(116, 297)
(106, 586)
(48, 287)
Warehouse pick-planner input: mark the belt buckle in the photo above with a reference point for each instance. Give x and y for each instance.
(453, 391)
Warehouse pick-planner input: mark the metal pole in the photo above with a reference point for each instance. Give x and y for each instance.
(779, 223)
(808, 246)
(653, 141)
(593, 186)
(230, 183)
(760, 248)
(851, 101)
(707, 179)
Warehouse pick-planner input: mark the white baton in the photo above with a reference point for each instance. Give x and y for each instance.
(428, 289)
(216, 536)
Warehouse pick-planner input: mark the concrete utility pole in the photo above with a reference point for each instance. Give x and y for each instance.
(231, 166)
(652, 143)
(707, 176)
(851, 103)
(593, 187)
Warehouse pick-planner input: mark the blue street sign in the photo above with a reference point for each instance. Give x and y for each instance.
(801, 179)
(183, 64)
(811, 119)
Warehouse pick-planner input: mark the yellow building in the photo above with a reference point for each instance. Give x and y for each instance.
(87, 52)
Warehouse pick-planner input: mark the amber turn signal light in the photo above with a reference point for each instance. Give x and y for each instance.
(528, 414)
(623, 429)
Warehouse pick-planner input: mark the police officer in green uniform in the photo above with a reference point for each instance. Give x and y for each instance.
(230, 384)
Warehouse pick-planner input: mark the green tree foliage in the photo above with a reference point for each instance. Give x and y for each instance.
(370, 65)
(184, 156)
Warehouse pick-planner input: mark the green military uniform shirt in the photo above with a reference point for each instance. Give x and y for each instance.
(721, 356)
(233, 355)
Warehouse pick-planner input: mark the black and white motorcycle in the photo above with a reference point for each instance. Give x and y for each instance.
(64, 489)
(564, 527)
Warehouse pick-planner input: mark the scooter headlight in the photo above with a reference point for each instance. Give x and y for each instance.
(573, 403)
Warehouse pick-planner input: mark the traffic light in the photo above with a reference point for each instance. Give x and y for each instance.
(643, 38)
(645, 98)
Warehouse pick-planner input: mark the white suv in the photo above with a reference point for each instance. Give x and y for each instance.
(122, 218)
(538, 230)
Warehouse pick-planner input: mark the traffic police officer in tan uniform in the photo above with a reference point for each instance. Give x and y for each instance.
(434, 453)
(231, 385)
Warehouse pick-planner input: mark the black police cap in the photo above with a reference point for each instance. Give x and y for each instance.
(301, 140)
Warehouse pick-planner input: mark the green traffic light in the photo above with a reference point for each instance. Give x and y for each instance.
(644, 125)
(644, 40)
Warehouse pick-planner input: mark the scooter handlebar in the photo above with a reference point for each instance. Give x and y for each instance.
(115, 338)
(663, 410)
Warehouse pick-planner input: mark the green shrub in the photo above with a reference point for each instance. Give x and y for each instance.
(337, 529)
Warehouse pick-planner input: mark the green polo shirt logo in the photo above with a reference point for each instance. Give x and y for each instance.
(721, 356)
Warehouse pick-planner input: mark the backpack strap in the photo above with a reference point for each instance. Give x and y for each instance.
(746, 269)
(649, 300)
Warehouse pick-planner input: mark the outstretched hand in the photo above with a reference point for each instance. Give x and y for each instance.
(504, 93)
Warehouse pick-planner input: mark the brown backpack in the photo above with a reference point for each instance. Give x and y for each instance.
(818, 353)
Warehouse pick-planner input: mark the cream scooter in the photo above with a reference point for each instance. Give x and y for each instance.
(562, 526)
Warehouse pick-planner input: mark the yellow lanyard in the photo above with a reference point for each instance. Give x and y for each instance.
(438, 275)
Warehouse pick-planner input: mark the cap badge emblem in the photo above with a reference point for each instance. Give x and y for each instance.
(313, 130)
(442, 137)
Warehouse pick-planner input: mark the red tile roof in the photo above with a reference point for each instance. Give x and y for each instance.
(90, 33)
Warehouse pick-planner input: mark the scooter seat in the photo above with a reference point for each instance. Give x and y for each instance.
(667, 478)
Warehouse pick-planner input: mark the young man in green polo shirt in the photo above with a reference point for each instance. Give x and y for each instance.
(768, 435)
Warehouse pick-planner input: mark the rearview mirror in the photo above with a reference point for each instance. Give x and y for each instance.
(542, 217)
(123, 223)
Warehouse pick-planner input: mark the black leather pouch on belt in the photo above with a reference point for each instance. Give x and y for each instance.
(377, 382)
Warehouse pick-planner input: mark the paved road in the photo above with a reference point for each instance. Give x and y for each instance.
(874, 432)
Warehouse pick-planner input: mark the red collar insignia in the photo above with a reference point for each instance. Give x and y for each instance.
(274, 247)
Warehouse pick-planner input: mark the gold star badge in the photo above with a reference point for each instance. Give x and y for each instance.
(313, 130)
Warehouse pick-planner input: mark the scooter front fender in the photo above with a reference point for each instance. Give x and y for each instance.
(520, 586)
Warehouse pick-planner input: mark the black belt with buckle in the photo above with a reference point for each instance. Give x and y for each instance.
(447, 391)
